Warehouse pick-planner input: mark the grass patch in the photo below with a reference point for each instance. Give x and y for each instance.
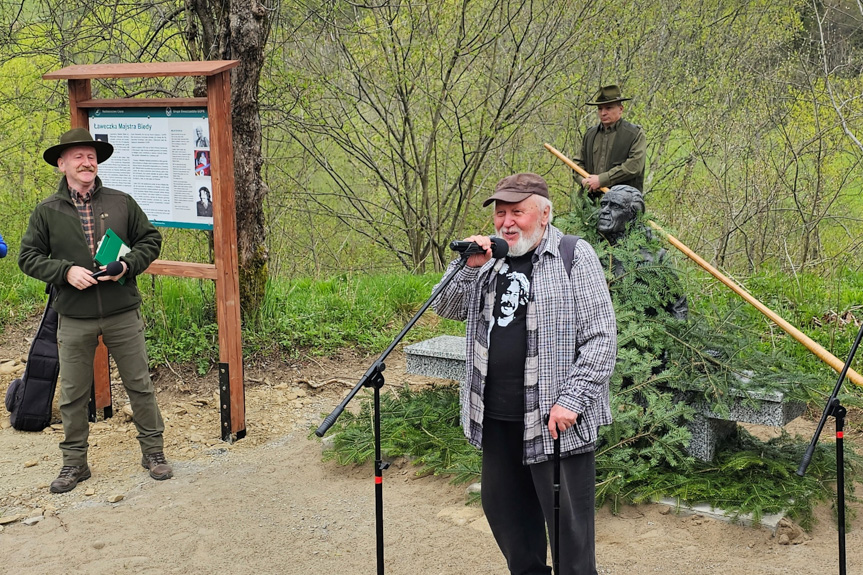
(366, 312)
(422, 425)
(22, 297)
(298, 317)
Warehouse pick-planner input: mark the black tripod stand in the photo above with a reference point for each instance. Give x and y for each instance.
(835, 409)
(374, 378)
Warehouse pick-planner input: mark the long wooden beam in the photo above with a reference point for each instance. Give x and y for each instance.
(810, 344)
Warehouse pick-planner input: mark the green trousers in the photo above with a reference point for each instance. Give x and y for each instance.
(123, 334)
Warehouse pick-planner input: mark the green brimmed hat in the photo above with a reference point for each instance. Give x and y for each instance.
(608, 95)
(78, 137)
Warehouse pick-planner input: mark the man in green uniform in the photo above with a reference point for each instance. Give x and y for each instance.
(59, 248)
(612, 152)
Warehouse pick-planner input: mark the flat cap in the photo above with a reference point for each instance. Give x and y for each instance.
(518, 187)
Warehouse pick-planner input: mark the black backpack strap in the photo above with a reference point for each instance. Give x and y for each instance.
(567, 251)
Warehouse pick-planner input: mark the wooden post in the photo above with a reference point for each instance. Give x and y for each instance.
(102, 380)
(225, 243)
(80, 91)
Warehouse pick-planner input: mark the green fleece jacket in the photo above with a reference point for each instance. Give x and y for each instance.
(54, 242)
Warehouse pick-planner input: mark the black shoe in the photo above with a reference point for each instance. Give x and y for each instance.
(69, 477)
(158, 465)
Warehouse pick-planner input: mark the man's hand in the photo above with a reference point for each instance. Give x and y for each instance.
(479, 260)
(80, 278)
(591, 181)
(561, 419)
(116, 277)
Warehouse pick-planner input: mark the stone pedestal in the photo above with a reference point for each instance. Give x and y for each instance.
(442, 357)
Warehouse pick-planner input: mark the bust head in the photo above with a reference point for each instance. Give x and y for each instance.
(619, 206)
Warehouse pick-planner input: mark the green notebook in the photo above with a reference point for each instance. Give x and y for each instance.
(110, 249)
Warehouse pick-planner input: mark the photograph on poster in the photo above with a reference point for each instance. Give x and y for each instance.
(202, 163)
(205, 203)
(202, 138)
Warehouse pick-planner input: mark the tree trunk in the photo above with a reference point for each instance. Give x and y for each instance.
(249, 27)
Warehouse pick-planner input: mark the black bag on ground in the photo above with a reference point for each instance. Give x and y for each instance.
(30, 398)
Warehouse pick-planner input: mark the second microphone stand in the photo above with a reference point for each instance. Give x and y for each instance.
(835, 409)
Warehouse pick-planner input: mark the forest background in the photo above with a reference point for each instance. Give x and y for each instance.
(367, 135)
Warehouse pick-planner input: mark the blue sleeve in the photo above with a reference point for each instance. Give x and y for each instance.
(3, 248)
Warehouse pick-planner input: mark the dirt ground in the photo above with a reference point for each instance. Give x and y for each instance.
(269, 504)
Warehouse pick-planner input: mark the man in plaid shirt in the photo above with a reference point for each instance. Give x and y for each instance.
(552, 355)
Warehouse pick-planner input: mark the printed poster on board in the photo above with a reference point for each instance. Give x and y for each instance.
(162, 159)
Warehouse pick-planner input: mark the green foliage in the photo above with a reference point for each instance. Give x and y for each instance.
(750, 476)
(422, 425)
(747, 476)
(181, 321)
(825, 307)
(194, 344)
(362, 311)
(22, 297)
(302, 316)
(662, 360)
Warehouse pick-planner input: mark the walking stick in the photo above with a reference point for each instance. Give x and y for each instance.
(801, 337)
(555, 556)
(555, 547)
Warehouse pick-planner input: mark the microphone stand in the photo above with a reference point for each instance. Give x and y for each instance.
(834, 408)
(374, 378)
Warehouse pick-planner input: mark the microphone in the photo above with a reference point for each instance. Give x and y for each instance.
(499, 247)
(112, 269)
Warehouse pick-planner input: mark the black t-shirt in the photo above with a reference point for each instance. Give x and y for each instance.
(507, 343)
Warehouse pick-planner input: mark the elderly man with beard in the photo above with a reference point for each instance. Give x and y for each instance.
(553, 360)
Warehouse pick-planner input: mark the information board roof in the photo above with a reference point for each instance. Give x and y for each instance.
(142, 70)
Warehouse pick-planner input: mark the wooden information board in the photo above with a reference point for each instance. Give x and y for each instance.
(225, 270)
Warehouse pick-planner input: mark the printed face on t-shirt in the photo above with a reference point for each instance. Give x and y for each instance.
(516, 294)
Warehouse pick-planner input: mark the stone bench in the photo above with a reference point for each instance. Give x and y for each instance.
(709, 427)
(444, 356)
(441, 357)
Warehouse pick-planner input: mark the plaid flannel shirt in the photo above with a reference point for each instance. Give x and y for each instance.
(571, 349)
(85, 212)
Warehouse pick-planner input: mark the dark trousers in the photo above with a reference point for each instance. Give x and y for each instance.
(518, 501)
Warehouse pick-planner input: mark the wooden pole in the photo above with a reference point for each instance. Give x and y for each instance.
(810, 344)
(228, 313)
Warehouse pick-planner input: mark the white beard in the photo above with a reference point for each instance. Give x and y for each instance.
(525, 243)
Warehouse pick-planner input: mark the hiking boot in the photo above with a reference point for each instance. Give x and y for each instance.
(158, 465)
(69, 477)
